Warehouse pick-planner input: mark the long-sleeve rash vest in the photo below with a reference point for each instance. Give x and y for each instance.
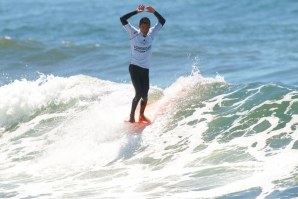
(141, 45)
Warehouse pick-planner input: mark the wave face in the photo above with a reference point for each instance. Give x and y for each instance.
(65, 138)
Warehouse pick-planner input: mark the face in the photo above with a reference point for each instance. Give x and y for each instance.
(144, 28)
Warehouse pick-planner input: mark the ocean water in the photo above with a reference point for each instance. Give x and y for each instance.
(223, 99)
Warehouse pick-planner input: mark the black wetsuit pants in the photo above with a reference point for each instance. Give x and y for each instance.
(140, 80)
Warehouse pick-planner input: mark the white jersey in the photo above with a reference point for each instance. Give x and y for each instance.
(141, 46)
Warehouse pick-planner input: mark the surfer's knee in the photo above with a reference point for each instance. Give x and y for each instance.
(145, 98)
(137, 97)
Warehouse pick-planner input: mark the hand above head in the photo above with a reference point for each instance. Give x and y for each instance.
(150, 9)
(140, 8)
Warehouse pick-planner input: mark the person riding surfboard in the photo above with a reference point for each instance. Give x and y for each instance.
(141, 40)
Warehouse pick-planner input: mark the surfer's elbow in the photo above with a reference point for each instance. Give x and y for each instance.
(163, 21)
(123, 21)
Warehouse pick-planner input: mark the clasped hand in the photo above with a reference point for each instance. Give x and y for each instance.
(142, 7)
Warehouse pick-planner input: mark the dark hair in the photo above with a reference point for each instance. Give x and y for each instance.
(145, 20)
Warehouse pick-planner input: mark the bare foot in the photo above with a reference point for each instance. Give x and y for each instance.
(144, 119)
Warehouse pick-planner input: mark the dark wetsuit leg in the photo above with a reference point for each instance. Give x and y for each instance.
(145, 83)
(140, 80)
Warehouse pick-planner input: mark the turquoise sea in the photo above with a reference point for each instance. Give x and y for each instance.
(223, 97)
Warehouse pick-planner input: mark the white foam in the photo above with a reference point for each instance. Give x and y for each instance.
(22, 98)
(93, 140)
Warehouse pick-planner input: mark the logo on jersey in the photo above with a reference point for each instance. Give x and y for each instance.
(142, 49)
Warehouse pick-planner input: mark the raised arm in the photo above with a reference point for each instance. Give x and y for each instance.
(125, 17)
(158, 16)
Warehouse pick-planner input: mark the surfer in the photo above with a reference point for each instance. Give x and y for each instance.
(141, 40)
